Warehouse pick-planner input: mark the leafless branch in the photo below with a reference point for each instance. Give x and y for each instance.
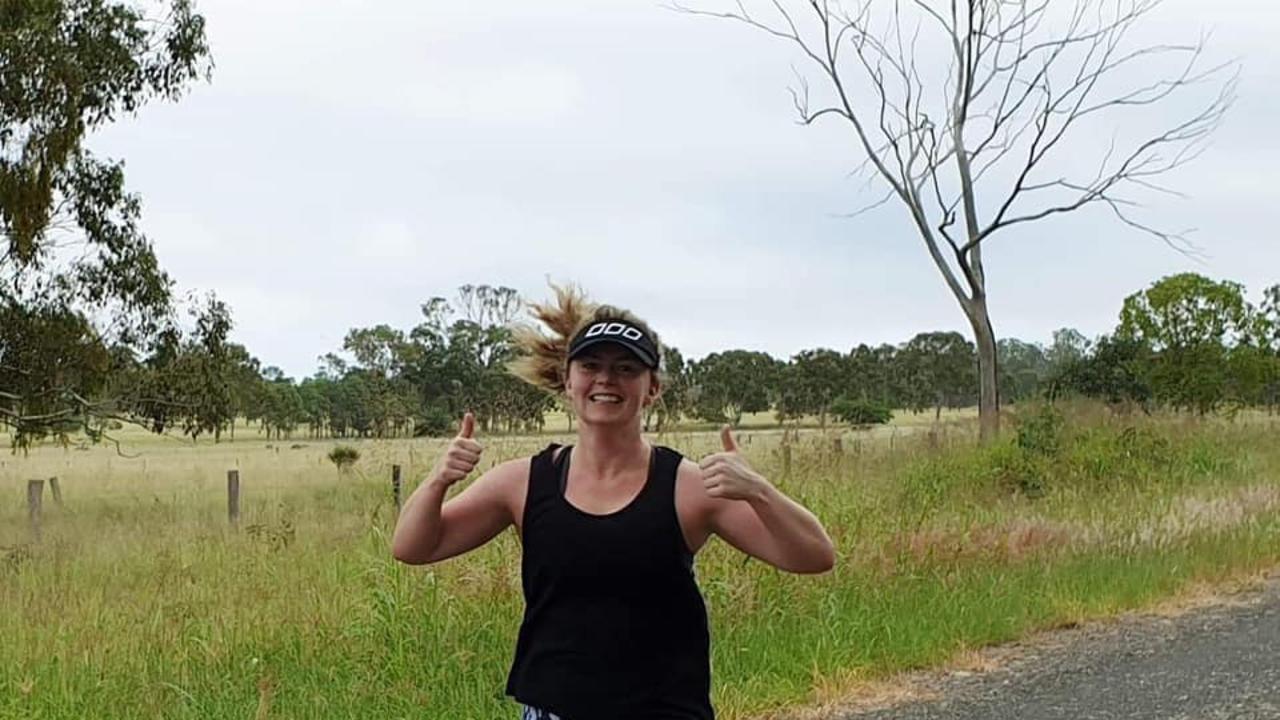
(888, 196)
(1020, 79)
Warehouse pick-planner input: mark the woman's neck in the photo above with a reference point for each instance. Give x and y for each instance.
(606, 452)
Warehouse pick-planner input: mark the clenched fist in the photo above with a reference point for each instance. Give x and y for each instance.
(460, 457)
(728, 475)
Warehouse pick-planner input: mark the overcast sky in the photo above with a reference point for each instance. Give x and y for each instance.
(345, 164)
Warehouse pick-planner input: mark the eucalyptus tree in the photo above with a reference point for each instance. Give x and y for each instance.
(79, 282)
(675, 400)
(1201, 333)
(1023, 367)
(939, 368)
(874, 375)
(1117, 370)
(1270, 318)
(982, 117)
(1069, 345)
(811, 382)
(1271, 337)
(728, 384)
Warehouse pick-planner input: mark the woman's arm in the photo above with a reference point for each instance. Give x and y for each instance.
(429, 530)
(757, 518)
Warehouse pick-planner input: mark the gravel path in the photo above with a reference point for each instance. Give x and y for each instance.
(1214, 663)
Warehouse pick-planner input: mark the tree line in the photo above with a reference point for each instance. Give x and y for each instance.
(1186, 343)
(88, 335)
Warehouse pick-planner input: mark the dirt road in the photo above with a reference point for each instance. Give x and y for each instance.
(1220, 662)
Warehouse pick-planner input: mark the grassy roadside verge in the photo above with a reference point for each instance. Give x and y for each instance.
(823, 649)
(149, 607)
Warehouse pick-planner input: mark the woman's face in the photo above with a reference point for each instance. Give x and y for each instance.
(608, 384)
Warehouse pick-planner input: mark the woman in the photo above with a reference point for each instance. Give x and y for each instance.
(614, 625)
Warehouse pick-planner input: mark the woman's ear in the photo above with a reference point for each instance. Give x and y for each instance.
(655, 389)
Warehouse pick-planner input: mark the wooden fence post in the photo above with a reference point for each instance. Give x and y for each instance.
(233, 497)
(395, 485)
(35, 499)
(57, 491)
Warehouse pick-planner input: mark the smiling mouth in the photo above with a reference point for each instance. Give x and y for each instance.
(607, 398)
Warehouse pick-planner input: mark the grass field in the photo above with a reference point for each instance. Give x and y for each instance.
(141, 602)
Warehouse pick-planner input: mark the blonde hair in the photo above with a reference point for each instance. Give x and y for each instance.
(544, 359)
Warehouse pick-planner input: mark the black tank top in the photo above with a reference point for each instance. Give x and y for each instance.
(614, 626)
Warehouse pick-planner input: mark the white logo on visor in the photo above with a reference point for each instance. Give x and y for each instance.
(614, 328)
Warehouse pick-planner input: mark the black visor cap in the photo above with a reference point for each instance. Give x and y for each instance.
(620, 332)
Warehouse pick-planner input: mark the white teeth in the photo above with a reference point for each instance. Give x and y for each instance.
(605, 398)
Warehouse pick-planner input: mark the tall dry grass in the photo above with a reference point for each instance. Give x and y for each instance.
(141, 601)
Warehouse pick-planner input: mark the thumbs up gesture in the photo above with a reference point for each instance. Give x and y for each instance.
(460, 457)
(727, 474)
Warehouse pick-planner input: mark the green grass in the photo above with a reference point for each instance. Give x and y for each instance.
(141, 602)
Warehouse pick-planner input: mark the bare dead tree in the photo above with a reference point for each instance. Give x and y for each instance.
(979, 116)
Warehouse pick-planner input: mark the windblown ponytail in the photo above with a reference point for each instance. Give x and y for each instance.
(544, 359)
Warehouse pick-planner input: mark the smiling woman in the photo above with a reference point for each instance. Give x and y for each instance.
(614, 623)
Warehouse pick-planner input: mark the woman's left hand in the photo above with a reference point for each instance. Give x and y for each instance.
(728, 475)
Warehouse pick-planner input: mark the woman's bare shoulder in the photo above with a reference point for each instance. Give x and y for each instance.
(689, 480)
(514, 472)
(693, 505)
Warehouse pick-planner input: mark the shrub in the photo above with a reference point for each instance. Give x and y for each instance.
(344, 456)
(861, 412)
(1040, 432)
(1048, 453)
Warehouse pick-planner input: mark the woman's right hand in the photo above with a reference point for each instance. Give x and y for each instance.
(460, 457)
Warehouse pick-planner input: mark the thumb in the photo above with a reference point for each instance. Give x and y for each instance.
(726, 439)
(468, 426)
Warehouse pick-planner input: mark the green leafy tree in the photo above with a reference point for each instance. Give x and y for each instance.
(860, 413)
(210, 397)
(456, 358)
(70, 246)
(1023, 367)
(873, 374)
(940, 371)
(1186, 310)
(378, 349)
(675, 401)
(186, 382)
(315, 394)
(732, 383)
(245, 375)
(811, 382)
(1117, 370)
(1069, 346)
(1193, 325)
(52, 362)
(1269, 327)
(1251, 374)
(283, 409)
(1270, 315)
